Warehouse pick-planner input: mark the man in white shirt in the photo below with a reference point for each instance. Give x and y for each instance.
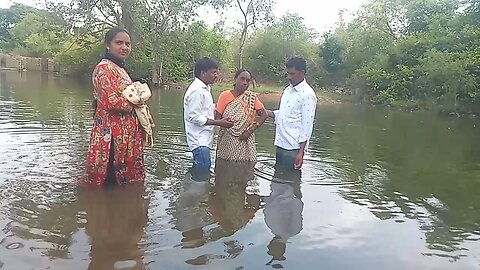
(198, 112)
(294, 119)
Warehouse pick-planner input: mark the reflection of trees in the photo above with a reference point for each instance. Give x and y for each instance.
(54, 114)
(42, 211)
(4, 87)
(52, 98)
(416, 165)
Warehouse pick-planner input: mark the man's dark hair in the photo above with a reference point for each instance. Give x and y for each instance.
(298, 63)
(204, 64)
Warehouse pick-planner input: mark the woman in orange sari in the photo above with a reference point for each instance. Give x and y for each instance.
(242, 107)
(115, 155)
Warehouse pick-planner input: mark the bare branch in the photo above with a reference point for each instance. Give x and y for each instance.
(241, 9)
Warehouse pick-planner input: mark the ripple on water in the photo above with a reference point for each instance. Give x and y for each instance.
(353, 207)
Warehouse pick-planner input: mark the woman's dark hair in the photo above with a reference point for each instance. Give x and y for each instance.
(110, 35)
(204, 64)
(240, 71)
(298, 63)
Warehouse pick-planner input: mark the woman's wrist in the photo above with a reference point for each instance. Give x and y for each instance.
(253, 127)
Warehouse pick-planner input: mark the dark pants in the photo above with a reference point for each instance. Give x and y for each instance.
(285, 159)
(111, 179)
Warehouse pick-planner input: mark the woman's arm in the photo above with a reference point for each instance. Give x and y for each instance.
(262, 117)
(106, 85)
(218, 115)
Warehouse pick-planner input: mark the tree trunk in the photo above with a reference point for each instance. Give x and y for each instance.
(155, 73)
(160, 77)
(156, 63)
(243, 37)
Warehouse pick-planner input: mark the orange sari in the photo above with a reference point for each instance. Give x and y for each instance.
(242, 110)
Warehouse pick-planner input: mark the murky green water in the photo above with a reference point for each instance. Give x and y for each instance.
(380, 190)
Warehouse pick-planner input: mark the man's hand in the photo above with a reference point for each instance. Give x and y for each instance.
(270, 114)
(225, 123)
(298, 161)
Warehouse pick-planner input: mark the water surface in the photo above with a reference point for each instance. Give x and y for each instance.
(380, 189)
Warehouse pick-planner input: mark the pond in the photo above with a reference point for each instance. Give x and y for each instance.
(380, 189)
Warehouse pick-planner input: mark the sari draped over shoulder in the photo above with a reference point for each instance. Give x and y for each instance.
(242, 111)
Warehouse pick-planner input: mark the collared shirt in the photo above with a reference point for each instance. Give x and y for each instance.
(294, 119)
(198, 107)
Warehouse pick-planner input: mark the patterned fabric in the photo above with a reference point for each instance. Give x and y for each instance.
(229, 147)
(138, 93)
(115, 120)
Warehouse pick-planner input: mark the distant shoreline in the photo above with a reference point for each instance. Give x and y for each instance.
(272, 93)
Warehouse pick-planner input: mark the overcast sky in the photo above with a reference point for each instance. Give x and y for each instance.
(319, 15)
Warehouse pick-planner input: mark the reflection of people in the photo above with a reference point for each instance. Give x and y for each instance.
(294, 119)
(198, 110)
(116, 219)
(191, 213)
(231, 207)
(228, 210)
(241, 106)
(115, 155)
(283, 212)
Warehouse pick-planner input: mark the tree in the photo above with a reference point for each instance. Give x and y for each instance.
(149, 22)
(270, 48)
(159, 18)
(253, 12)
(331, 52)
(9, 17)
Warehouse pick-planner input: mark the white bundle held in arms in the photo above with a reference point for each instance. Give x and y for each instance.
(138, 93)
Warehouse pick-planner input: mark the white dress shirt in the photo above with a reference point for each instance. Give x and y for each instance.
(294, 119)
(198, 107)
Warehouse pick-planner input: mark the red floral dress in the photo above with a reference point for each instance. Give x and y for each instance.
(115, 124)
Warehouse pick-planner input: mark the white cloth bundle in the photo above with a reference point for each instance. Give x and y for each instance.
(138, 93)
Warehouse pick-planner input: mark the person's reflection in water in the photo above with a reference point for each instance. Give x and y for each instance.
(232, 208)
(283, 212)
(229, 208)
(191, 208)
(116, 219)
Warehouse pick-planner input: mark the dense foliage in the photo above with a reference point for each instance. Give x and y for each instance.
(391, 51)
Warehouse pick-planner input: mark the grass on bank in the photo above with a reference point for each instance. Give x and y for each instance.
(323, 94)
(259, 88)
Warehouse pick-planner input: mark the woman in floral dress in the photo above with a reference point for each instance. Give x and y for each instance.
(115, 155)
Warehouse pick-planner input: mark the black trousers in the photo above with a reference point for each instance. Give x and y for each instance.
(111, 179)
